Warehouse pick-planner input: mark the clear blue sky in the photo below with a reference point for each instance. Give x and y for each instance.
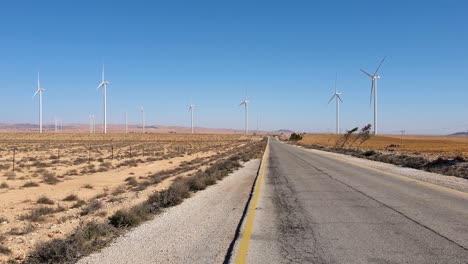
(159, 54)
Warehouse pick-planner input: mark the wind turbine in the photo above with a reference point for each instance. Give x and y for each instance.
(374, 78)
(337, 97)
(126, 122)
(246, 103)
(143, 121)
(104, 85)
(90, 124)
(191, 109)
(39, 90)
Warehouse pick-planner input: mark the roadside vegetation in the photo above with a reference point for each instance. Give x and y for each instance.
(94, 235)
(412, 152)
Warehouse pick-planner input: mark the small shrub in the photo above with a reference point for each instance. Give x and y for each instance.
(92, 207)
(30, 184)
(130, 218)
(4, 250)
(45, 200)
(37, 214)
(131, 181)
(87, 186)
(50, 178)
(10, 175)
(84, 240)
(70, 198)
(15, 231)
(4, 185)
(78, 204)
(295, 137)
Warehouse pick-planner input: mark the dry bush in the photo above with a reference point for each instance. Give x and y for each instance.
(85, 239)
(30, 184)
(87, 186)
(45, 200)
(37, 214)
(50, 178)
(70, 198)
(91, 207)
(78, 204)
(15, 231)
(131, 217)
(131, 181)
(4, 185)
(10, 175)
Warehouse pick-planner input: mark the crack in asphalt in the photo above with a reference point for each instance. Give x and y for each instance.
(297, 241)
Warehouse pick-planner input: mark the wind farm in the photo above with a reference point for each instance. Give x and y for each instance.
(233, 132)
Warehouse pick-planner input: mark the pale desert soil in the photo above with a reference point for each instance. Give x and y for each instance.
(85, 167)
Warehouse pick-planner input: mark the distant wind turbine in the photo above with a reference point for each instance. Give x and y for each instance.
(337, 97)
(126, 122)
(191, 109)
(246, 107)
(56, 124)
(374, 78)
(40, 91)
(143, 121)
(104, 85)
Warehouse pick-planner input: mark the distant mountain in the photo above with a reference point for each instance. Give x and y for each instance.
(460, 134)
(284, 131)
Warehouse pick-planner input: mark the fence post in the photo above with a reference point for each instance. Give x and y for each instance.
(14, 154)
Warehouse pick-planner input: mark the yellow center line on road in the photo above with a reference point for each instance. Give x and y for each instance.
(402, 177)
(244, 243)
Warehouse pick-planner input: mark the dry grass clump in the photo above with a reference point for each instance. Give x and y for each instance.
(15, 231)
(30, 184)
(71, 198)
(4, 250)
(91, 207)
(38, 214)
(85, 239)
(10, 175)
(50, 178)
(87, 186)
(45, 200)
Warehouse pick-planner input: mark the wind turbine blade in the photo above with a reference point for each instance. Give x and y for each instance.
(371, 92)
(339, 97)
(99, 86)
(102, 72)
(380, 65)
(331, 98)
(35, 93)
(366, 73)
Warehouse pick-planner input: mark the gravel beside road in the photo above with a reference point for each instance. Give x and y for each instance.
(199, 230)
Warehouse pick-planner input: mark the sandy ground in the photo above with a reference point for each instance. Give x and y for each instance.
(429, 146)
(102, 182)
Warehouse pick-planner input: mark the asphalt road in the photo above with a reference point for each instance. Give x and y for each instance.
(316, 209)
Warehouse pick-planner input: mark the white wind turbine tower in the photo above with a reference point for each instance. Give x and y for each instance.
(126, 122)
(39, 90)
(191, 109)
(143, 121)
(374, 78)
(104, 85)
(91, 124)
(337, 97)
(246, 103)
